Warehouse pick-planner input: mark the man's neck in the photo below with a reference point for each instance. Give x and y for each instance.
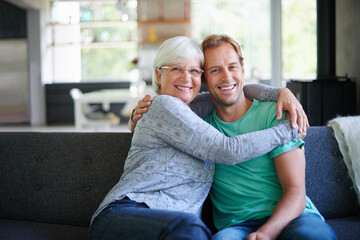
(234, 112)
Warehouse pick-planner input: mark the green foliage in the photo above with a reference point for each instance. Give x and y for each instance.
(249, 23)
(299, 37)
(106, 63)
(246, 21)
(110, 13)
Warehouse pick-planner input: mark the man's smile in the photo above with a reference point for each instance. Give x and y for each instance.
(227, 87)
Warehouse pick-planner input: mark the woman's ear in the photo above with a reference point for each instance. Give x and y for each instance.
(158, 75)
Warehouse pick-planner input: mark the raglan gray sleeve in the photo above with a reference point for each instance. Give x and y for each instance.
(261, 92)
(202, 105)
(184, 130)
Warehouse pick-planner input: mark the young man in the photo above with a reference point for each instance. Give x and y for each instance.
(263, 198)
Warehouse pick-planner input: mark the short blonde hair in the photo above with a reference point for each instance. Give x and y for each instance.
(215, 40)
(178, 49)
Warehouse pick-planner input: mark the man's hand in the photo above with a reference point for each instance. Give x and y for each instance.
(258, 236)
(141, 107)
(287, 101)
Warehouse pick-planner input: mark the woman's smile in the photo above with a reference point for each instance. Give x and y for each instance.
(183, 88)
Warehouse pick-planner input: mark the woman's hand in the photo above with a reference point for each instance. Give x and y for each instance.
(287, 101)
(141, 107)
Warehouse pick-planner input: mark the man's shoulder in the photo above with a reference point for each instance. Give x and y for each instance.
(262, 114)
(264, 104)
(264, 107)
(210, 117)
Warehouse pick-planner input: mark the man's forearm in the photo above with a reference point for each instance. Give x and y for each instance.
(290, 206)
(290, 168)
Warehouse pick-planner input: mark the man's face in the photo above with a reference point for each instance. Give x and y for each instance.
(224, 74)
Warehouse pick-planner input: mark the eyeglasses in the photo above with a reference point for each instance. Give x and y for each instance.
(178, 70)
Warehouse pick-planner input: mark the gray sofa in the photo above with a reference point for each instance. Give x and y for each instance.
(51, 183)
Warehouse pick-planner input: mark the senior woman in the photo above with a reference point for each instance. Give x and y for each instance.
(169, 168)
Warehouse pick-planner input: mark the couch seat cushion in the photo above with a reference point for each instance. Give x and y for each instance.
(346, 228)
(22, 230)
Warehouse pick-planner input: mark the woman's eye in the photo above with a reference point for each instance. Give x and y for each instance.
(176, 69)
(195, 71)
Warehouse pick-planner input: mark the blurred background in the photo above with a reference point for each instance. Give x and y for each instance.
(48, 47)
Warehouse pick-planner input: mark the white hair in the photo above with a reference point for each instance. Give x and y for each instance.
(177, 49)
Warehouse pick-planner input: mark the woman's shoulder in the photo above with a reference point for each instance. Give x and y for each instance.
(168, 101)
(167, 98)
(171, 112)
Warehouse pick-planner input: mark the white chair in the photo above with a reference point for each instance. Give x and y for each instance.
(85, 117)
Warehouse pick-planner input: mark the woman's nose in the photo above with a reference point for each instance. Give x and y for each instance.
(187, 75)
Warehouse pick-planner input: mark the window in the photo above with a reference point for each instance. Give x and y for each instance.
(299, 46)
(98, 40)
(93, 40)
(249, 22)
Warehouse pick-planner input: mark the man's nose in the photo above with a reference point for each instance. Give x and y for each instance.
(227, 74)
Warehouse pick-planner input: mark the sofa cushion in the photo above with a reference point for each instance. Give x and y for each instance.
(22, 230)
(328, 184)
(346, 228)
(58, 177)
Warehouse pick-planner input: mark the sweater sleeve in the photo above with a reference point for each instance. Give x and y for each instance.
(261, 92)
(178, 126)
(202, 105)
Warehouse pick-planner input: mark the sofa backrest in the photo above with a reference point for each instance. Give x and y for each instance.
(328, 184)
(58, 177)
(62, 177)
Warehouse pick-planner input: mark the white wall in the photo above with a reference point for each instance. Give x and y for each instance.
(30, 4)
(14, 81)
(35, 21)
(21, 81)
(348, 42)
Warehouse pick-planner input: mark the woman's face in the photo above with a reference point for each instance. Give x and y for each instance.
(181, 80)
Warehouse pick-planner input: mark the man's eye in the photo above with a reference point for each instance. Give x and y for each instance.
(215, 70)
(234, 68)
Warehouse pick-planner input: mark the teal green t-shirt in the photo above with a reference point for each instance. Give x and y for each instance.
(249, 190)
